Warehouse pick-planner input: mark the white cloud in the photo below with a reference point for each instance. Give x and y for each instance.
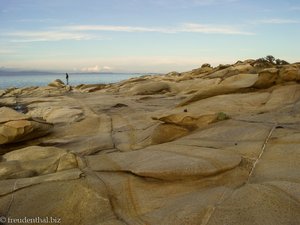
(112, 28)
(96, 68)
(183, 28)
(278, 21)
(36, 20)
(211, 29)
(84, 32)
(91, 69)
(33, 36)
(107, 68)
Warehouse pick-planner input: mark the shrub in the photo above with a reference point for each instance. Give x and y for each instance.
(222, 116)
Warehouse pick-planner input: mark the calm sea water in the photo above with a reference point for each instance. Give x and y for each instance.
(7, 81)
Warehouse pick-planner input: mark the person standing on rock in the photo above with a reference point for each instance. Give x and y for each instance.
(67, 78)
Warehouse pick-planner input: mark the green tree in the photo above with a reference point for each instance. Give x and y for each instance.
(281, 62)
(270, 59)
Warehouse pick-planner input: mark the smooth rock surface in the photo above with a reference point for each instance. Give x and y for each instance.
(211, 146)
(35, 160)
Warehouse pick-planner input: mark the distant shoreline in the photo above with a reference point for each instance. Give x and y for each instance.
(24, 73)
(21, 80)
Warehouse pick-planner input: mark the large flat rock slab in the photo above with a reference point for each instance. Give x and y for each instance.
(167, 162)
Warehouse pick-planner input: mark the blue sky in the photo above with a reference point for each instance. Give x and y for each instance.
(144, 35)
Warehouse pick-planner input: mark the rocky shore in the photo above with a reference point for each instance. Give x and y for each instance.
(212, 146)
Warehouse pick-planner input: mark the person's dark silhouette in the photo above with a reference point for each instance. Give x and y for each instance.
(67, 78)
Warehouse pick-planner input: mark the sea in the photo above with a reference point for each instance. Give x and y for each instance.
(28, 80)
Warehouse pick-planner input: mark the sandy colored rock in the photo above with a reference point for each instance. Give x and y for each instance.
(165, 163)
(228, 156)
(2, 92)
(230, 85)
(189, 120)
(232, 70)
(8, 101)
(90, 87)
(150, 88)
(8, 114)
(290, 73)
(267, 78)
(167, 132)
(57, 83)
(22, 130)
(58, 114)
(82, 201)
(11, 185)
(35, 160)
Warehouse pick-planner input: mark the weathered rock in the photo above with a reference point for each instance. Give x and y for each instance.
(205, 68)
(12, 185)
(8, 101)
(267, 78)
(35, 160)
(163, 162)
(90, 87)
(230, 85)
(172, 74)
(68, 88)
(240, 81)
(232, 70)
(150, 88)
(80, 201)
(2, 92)
(230, 156)
(289, 73)
(21, 129)
(8, 114)
(188, 120)
(57, 83)
(167, 132)
(58, 114)
(190, 86)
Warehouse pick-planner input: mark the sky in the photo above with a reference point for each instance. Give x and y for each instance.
(144, 35)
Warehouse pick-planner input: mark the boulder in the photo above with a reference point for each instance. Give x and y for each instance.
(57, 83)
(267, 78)
(90, 87)
(2, 92)
(240, 81)
(189, 121)
(289, 73)
(17, 127)
(35, 160)
(8, 114)
(232, 70)
(167, 132)
(231, 84)
(205, 68)
(58, 114)
(150, 88)
(8, 101)
(178, 125)
(68, 88)
(173, 74)
(207, 93)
